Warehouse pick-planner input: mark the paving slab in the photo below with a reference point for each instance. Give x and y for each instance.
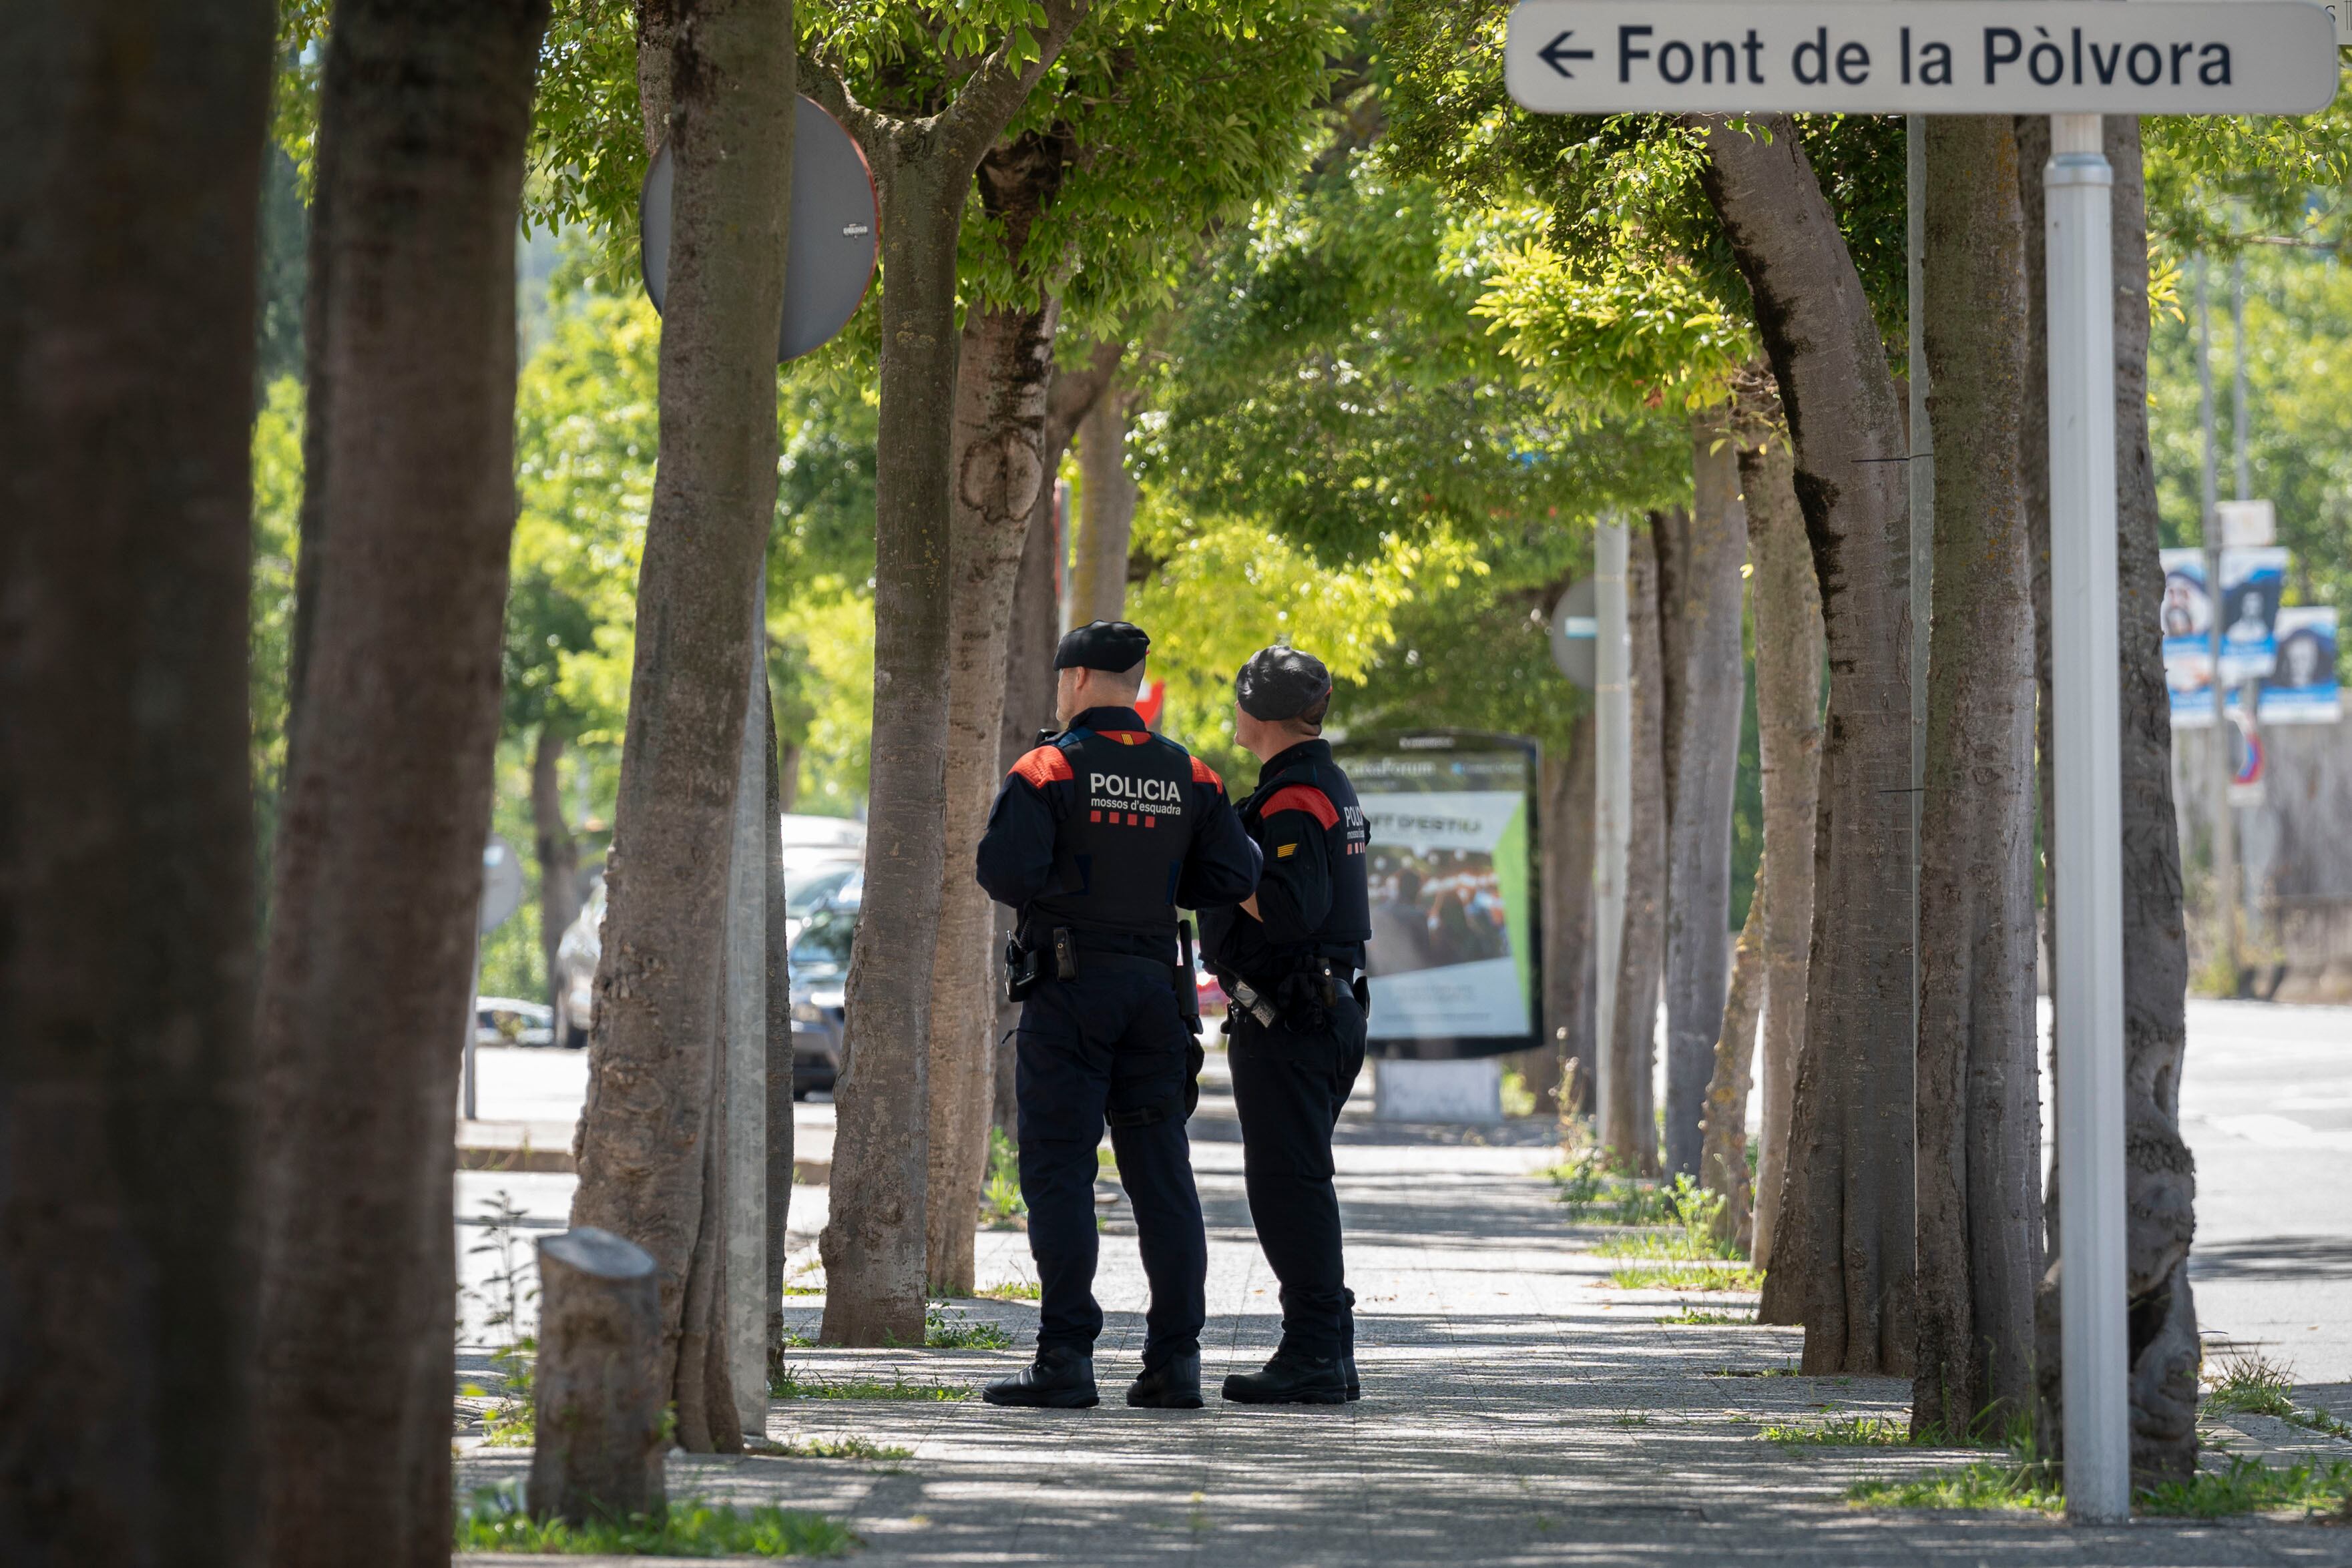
(1516, 1411)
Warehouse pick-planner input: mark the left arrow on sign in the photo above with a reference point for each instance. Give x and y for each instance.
(1555, 54)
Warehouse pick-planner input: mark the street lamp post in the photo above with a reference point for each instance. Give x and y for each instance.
(2088, 859)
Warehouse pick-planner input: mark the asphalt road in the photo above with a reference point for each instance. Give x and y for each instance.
(2266, 1106)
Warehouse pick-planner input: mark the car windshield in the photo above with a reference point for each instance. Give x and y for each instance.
(822, 946)
(817, 892)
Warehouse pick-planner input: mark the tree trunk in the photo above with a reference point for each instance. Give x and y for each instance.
(597, 1387)
(1629, 1129)
(1567, 811)
(1030, 640)
(780, 1056)
(1006, 371)
(559, 855)
(2160, 1176)
(649, 1141)
(875, 1237)
(410, 498)
(1850, 1128)
(1723, 1159)
(788, 774)
(128, 1225)
(1700, 553)
(1786, 602)
(1107, 496)
(1978, 1115)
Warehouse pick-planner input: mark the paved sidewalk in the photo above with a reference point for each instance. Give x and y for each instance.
(1515, 1412)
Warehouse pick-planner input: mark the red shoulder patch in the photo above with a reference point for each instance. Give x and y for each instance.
(1044, 765)
(1301, 798)
(1205, 774)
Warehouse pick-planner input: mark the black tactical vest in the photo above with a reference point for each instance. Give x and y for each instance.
(1346, 836)
(1120, 851)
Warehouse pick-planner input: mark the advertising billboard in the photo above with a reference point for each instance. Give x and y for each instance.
(1453, 962)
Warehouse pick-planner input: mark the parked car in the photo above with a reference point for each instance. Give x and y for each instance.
(505, 1021)
(819, 970)
(822, 857)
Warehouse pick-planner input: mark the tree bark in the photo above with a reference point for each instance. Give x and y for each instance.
(1030, 640)
(780, 1055)
(597, 1387)
(649, 1145)
(559, 855)
(1978, 1113)
(2160, 1175)
(874, 1239)
(1630, 1120)
(1851, 1129)
(1723, 1159)
(423, 112)
(1006, 368)
(128, 1223)
(1106, 496)
(1786, 601)
(1700, 553)
(1566, 807)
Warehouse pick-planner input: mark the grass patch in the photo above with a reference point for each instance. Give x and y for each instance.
(1595, 1190)
(1001, 1207)
(1690, 1230)
(1695, 1317)
(850, 1447)
(1014, 1290)
(1690, 1276)
(2249, 1486)
(1986, 1483)
(1853, 1432)
(2248, 1385)
(786, 1382)
(687, 1529)
(942, 1331)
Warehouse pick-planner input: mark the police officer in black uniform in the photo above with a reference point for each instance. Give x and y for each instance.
(1291, 959)
(1097, 838)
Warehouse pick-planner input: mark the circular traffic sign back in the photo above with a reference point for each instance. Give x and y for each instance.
(1575, 635)
(829, 258)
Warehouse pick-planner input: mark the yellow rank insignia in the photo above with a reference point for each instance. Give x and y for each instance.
(1284, 852)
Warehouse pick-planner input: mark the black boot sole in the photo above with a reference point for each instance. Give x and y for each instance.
(1047, 1399)
(1164, 1402)
(1243, 1394)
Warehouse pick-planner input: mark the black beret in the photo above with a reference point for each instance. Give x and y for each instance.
(1282, 683)
(1113, 646)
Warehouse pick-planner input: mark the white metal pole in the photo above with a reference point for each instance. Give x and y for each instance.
(744, 1072)
(1612, 733)
(2088, 800)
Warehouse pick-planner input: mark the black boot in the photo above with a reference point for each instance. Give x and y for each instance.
(1290, 1378)
(1348, 1349)
(1173, 1385)
(1061, 1378)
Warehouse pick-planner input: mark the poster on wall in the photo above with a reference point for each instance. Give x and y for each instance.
(1453, 960)
(2302, 688)
(2252, 584)
(2185, 617)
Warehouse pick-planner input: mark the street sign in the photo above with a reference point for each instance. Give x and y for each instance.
(2246, 523)
(1575, 633)
(501, 886)
(1922, 57)
(829, 257)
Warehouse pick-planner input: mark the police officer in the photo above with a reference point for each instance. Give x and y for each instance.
(1095, 838)
(1291, 959)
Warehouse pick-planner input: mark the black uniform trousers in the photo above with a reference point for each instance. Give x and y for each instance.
(1288, 1087)
(1109, 1045)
